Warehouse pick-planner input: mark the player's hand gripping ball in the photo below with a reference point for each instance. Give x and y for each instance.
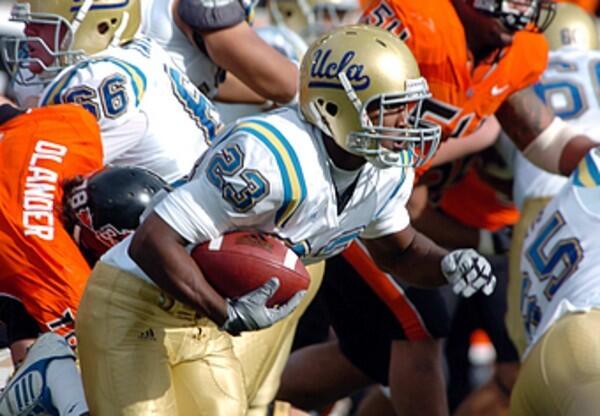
(241, 261)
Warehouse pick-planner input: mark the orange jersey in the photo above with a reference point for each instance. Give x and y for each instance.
(462, 95)
(475, 203)
(40, 265)
(589, 6)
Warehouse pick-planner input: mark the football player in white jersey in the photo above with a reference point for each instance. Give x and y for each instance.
(340, 169)
(570, 86)
(560, 302)
(311, 18)
(215, 45)
(150, 114)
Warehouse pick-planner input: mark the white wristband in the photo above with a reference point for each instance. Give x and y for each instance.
(546, 149)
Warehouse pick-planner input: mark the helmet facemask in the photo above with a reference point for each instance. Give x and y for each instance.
(78, 31)
(16, 51)
(416, 142)
(531, 15)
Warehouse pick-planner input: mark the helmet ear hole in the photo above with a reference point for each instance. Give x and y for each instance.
(113, 21)
(331, 108)
(103, 27)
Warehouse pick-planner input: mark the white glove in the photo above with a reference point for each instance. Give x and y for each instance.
(468, 271)
(249, 312)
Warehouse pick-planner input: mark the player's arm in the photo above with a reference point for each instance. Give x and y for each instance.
(234, 46)
(232, 90)
(160, 252)
(409, 256)
(479, 140)
(208, 206)
(546, 140)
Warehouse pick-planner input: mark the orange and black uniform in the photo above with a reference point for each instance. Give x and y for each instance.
(41, 267)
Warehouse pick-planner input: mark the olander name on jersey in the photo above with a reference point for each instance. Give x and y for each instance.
(40, 188)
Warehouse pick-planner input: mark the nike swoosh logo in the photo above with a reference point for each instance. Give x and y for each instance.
(499, 90)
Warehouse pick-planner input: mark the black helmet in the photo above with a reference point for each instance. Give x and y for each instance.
(103, 208)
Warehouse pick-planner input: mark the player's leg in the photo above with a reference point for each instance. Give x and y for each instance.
(402, 328)
(561, 375)
(46, 382)
(131, 338)
(206, 373)
(416, 377)
(366, 323)
(263, 353)
(47, 359)
(317, 375)
(376, 401)
(122, 353)
(21, 328)
(487, 313)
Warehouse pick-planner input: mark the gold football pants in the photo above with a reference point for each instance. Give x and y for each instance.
(263, 353)
(513, 320)
(142, 353)
(561, 374)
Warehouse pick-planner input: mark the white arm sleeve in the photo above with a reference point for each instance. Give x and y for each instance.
(393, 215)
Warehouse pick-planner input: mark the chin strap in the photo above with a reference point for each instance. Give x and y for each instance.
(356, 102)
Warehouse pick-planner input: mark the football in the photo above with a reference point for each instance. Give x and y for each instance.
(239, 262)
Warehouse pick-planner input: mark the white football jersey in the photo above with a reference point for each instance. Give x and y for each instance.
(150, 114)
(559, 263)
(272, 173)
(158, 24)
(571, 87)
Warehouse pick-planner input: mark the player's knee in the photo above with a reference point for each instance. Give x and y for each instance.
(416, 359)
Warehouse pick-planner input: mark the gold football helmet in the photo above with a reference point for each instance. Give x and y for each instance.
(358, 69)
(311, 18)
(572, 26)
(90, 26)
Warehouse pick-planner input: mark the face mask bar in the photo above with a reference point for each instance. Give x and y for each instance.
(419, 140)
(15, 50)
(530, 15)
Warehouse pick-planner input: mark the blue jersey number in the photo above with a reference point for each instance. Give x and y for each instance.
(194, 102)
(226, 165)
(111, 97)
(552, 264)
(567, 97)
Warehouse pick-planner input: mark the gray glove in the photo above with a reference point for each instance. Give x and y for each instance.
(467, 271)
(249, 312)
